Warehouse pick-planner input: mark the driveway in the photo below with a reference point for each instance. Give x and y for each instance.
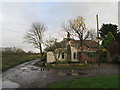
(27, 75)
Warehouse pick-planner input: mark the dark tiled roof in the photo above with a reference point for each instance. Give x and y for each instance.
(89, 45)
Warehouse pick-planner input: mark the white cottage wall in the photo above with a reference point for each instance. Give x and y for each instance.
(50, 57)
(73, 50)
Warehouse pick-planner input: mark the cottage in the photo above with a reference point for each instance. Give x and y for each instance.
(70, 51)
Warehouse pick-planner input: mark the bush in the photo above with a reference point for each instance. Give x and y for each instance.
(67, 62)
(116, 60)
(52, 63)
(90, 62)
(40, 64)
(61, 62)
(103, 60)
(71, 62)
(44, 58)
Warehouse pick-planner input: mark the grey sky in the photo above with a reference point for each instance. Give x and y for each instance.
(18, 17)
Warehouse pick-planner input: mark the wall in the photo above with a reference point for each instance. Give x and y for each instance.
(60, 58)
(73, 50)
(50, 57)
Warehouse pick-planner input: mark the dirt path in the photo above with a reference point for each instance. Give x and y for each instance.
(29, 76)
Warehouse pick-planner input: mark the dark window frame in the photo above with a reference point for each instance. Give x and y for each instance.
(63, 55)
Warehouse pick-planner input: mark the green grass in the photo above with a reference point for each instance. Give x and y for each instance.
(39, 64)
(9, 61)
(85, 66)
(89, 82)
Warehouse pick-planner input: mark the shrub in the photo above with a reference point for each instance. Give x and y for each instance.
(44, 58)
(71, 62)
(103, 60)
(61, 62)
(116, 60)
(40, 64)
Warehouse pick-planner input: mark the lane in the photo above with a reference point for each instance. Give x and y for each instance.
(7, 76)
(18, 67)
(27, 75)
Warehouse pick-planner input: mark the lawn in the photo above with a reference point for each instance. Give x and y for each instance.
(9, 61)
(68, 66)
(89, 82)
(71, 66)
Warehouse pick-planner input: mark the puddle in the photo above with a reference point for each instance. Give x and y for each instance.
(44, 76)
(9, 84)
(33, 68)
(71, 73)
(29, 68)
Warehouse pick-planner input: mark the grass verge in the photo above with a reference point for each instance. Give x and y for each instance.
(9, 61)
(39, 64)
(89, 82)
(71, 66)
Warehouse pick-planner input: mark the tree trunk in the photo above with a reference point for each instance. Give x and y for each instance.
(100, 57)
(80, 55)
(41, 50)
(81, 51)
(108, 56)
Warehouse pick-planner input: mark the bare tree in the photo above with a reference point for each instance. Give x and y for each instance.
(93, 34)
(35, 35)
(77, 28)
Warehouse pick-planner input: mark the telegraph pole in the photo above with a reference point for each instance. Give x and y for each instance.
(97, 27)
(98, 38)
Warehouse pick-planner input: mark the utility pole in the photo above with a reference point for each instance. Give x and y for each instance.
(97, 27)
(98, 38)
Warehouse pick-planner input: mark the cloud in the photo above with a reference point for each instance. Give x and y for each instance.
(18, 17)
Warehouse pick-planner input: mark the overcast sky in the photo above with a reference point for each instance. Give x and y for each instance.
(18, 17)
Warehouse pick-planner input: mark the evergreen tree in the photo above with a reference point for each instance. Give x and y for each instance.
(109, 39)
(110, 28)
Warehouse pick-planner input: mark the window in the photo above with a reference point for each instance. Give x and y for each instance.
(63, 56)
(74, 55)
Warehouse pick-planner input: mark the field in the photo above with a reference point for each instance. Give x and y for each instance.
(89, 82)
(11, 60)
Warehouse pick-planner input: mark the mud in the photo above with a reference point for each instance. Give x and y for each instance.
(27, 75)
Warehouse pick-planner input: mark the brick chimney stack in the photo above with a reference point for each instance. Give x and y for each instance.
(68, 35)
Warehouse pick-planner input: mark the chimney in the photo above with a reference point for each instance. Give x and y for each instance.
(68, 35)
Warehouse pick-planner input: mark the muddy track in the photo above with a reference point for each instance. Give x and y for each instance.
(27, 75)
